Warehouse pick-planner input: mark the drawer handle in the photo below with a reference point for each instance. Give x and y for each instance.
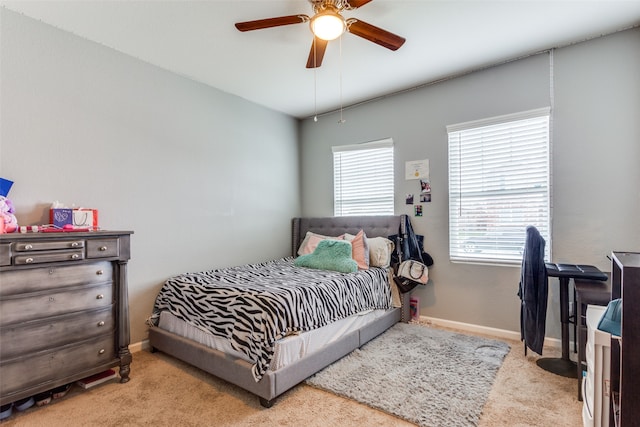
(74, 244)
(100, 272)
(101, 351)
(103, 248)
(75, 256)
(28, 260)
(101, 323)
(100, 296)
(28, 247)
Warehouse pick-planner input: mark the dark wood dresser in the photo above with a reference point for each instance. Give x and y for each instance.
(64, 311)
(625, 362)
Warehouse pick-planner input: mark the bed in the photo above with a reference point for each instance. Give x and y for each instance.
(295, 356)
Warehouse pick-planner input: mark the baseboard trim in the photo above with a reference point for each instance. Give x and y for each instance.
(139, 346)
(485, 330)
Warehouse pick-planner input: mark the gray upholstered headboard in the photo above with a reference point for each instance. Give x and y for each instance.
(373, 226)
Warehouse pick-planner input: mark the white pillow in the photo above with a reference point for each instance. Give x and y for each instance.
(380, 250)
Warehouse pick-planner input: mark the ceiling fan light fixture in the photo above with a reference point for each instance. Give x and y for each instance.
(328, 25)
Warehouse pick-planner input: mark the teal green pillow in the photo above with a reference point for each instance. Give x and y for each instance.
(332, 255)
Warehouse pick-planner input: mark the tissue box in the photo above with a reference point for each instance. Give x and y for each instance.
(61, 217)
(80, 218)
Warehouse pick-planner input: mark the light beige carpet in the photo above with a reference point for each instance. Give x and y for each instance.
(167, 392)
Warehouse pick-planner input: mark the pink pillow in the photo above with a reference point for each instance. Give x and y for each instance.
(311, 241)
(360, 249)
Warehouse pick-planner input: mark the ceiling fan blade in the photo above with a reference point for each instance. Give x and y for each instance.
(317, 52)
(375, 34)
(271, 22)
(354, 4)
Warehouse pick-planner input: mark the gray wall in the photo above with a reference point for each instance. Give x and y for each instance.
(596, 178)
(204, 179)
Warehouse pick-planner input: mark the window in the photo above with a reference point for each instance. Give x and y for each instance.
(499, 183)
(363, 179)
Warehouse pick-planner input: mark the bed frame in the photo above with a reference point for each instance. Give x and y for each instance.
(273, 384)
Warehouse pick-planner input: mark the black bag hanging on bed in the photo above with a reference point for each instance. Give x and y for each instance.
(405, 285)
(408, 246)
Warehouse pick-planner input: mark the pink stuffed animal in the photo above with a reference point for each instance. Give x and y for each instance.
(8, 221)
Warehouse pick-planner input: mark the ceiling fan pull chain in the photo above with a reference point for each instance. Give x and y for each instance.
(315, 84)
(342, 120)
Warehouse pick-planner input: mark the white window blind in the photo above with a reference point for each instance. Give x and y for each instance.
(363, 179)
(499, 183)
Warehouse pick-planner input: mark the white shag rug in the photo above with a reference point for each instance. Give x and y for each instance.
(427, 376)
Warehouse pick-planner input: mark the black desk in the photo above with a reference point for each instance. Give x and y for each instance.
(565, 272)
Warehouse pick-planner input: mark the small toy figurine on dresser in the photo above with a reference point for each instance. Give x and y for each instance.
(8, 221)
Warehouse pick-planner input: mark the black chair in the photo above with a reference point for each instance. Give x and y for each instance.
(533, 291)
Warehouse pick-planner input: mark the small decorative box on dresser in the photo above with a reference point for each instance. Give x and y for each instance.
(64, 311)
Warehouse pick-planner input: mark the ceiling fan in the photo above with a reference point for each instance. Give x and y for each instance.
(328, 24)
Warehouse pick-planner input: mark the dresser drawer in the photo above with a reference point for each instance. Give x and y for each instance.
(45, 278)
(103, 248)
(41, 305)
(30, 337)
(51, 256)
(48, 246)
(39, 368)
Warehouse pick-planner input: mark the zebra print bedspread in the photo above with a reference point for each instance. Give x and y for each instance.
(257, 304)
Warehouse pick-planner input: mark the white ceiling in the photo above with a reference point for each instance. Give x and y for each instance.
(197, 39)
